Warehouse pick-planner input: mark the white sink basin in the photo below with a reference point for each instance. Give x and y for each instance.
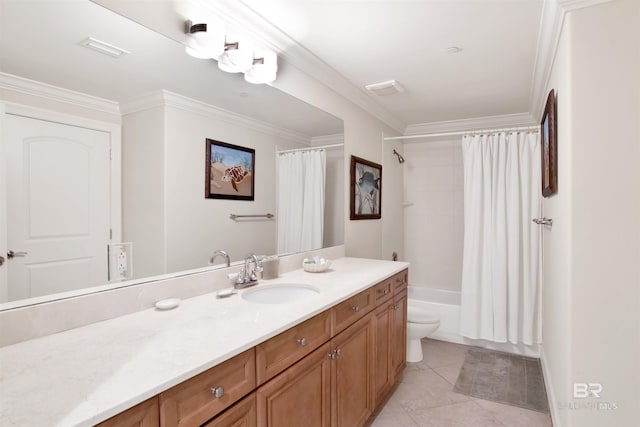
(283, 293)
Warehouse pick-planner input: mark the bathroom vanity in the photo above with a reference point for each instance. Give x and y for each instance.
(329, 360)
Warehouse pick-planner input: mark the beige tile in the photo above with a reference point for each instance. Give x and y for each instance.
(440, 353)
(449, 373)
(456, 415)
(514, 416)
(401, 419)
(424, 389)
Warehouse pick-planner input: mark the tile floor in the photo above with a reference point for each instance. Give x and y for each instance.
(424, 397)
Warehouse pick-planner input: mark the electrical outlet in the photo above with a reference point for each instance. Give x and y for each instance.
(120, 267)
(121, 262)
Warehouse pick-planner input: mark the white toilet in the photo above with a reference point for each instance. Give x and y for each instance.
(421, 323)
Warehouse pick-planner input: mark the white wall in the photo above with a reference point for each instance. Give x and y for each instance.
(173, 226)
(556, 300)
(393, 235)
(591, 315)
(143, 192)
(434, 219)
(334, 198)
(363, 138)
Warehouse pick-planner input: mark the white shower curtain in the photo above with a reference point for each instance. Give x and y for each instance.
(501, 261)
(301, 182)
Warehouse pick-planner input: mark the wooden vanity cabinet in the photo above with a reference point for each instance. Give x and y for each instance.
(204, 396)
(242, 414)
(299, 396)
(329, 371)
(347, 312)
(330, 387)
(145, 414)
(352, 374)
(390, 345)
(383, 318)
(399, 334)
(283, 350)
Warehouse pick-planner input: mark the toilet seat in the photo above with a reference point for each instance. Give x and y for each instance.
(420, 315)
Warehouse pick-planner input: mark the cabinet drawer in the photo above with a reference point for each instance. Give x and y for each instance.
(143, 415)
(194, 401)
(282, 351)
(383, 290)
(400, 281)
(347, 312)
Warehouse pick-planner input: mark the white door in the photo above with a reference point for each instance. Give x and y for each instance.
(57, 206)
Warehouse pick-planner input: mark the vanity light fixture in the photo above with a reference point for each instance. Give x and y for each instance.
(237, 56)
(265, 68)
(205, 42)
(234, 53)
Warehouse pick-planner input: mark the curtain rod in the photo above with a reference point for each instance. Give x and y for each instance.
(319, 147)
(466, 132)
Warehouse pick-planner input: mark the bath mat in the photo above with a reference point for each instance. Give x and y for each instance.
(503, 378)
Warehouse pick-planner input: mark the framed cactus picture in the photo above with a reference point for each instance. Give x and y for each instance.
(229, 171)
(366, 189)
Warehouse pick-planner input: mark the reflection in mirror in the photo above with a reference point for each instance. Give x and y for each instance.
(104, 135)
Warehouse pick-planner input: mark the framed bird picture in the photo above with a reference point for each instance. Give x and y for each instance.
(229, 171)
(366, 189)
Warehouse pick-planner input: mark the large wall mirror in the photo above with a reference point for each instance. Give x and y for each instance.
(146, 215)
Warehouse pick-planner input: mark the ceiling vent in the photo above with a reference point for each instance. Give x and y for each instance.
(389, 87)
(102, 47)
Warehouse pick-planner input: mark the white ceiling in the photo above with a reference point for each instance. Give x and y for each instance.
(49, 52)
(377, 40)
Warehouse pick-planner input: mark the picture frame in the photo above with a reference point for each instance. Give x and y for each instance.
(549, 147)
(229, 171)
(365, 189)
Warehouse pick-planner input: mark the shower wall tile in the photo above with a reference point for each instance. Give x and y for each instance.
(434, 227)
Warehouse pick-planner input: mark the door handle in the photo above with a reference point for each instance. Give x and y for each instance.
(12, 254)
(1, 260)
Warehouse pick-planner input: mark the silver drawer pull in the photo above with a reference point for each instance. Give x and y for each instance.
(356, 308)
(218, 392)
(302, 341)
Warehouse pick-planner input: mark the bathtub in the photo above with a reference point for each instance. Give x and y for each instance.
(447, 305)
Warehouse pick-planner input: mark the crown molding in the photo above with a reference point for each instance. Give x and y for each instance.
(164, 98)
(462, 125)
(337, 138)
(242, 16)
(551, 24)
(58, 94)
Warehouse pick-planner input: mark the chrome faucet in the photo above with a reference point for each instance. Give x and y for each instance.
(215, 254)
(249, 276)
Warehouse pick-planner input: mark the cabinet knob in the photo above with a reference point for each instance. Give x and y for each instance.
(218, 392)
(356, 308)
(302, 341)
(334, 354)
(396, 306)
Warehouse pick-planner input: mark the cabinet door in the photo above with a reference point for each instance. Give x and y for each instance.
(242, 414)
(299, 396)
(352, 375)
(399, 334)
(145, 414)
(383, 374)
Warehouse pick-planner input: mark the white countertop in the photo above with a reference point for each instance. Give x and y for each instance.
(83, 376)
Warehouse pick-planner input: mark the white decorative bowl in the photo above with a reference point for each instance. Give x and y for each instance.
(316, 266)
